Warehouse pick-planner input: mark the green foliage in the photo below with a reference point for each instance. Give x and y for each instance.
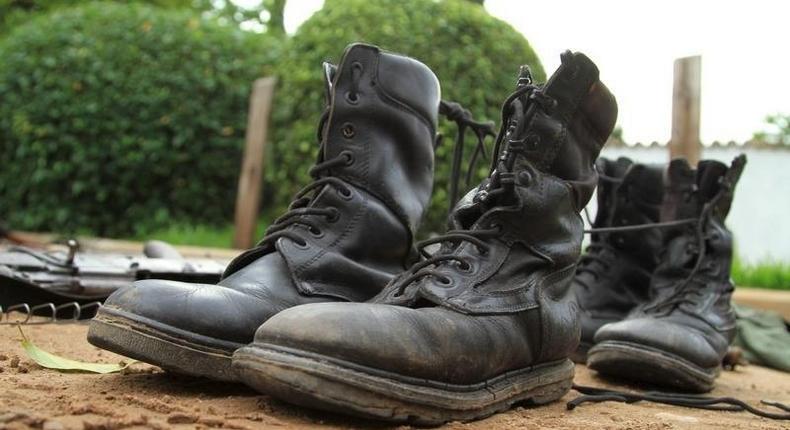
(778, 132)
(475, 56)
(766, 274)
(123, 118)
(14, 12)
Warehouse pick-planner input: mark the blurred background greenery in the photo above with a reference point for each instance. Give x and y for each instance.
(127, 119)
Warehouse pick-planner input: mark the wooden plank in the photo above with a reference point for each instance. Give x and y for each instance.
(770, 300)
(249, 190)
(686, 91)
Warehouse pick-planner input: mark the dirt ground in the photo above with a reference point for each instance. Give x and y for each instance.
(146, 397)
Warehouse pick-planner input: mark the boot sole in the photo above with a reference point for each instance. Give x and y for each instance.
(321, 382)
(170, 348)
(650, 365)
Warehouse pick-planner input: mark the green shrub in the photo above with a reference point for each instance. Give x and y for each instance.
(118, 119)
(15, 12)
(475, 56)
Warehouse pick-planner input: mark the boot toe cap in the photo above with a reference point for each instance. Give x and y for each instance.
(429, 343)
(666, 336)
(208, 310)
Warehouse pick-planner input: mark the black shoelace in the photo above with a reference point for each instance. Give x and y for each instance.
(500, 177)
(597, 395)
(463, 119)
(427, 267)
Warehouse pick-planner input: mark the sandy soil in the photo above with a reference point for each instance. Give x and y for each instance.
(146, 397)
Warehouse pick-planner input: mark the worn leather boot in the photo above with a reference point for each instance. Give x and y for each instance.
(485, 321)
(679, 338)
(614, 275)
(343, 238)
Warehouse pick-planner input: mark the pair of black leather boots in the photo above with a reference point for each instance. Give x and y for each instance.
(334, 310)
(654, 287)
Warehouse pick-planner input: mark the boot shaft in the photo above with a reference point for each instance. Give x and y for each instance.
(610, 175)
(703, 196)
(350, 231)
(614, 274)
(526, 213)
(694, 275)
(383, 111)
(638, 199)
(561, 128)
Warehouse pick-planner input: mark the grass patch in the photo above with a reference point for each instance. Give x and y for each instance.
(199, 235)
(765, 274)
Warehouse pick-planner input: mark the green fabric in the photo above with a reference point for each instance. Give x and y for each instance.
(764, 338)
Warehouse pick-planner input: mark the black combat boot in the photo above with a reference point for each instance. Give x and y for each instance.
(613, 276)
(485, 321)
(343, 238)
(679, 338)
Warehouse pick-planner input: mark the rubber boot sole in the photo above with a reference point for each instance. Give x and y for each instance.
(170, 348)
(321, 382)
(642, 363)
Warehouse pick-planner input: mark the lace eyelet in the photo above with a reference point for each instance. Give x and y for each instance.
(334, 216)
(352, 98)
(524, 177)
(445, 280)
(465, 267)
(345, 194)
(348, 130)
(316, 232)
(349, 156)
(303, 245)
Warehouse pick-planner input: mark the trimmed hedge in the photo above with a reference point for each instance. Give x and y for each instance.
(119, 119)
(475, 56)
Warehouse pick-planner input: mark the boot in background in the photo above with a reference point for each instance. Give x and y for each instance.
(614, 274)
(678, 338)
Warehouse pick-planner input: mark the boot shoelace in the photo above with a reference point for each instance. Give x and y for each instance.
(427, 267)
(597, 395)
(463, 119)
(301, 213)
(501, 176)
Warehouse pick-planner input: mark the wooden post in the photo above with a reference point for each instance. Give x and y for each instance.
(686, 109)
(249, 190)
